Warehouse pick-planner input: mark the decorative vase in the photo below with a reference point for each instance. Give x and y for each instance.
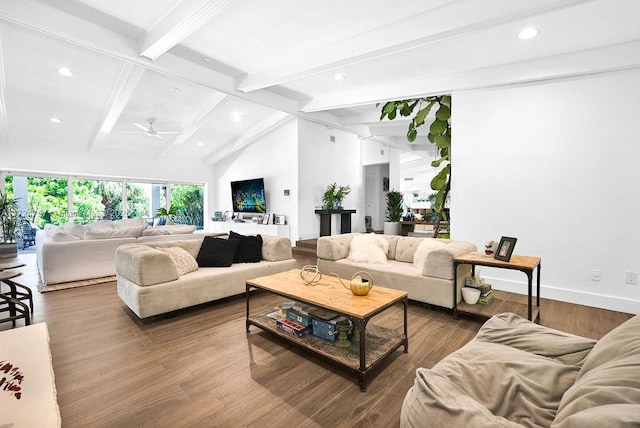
(8, 250)
(392, 228)
(337, 203)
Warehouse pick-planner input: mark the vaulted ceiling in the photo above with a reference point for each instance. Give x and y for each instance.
(221, 73)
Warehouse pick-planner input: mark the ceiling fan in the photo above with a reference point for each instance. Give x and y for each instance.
(150, 131)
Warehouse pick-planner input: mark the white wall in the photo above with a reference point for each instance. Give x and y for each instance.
(273, 157)
(557, 166)
(322, 162)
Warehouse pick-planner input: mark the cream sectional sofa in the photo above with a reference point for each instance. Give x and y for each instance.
(515, 373)
(75, 252)
(149, 283)
(425, 274)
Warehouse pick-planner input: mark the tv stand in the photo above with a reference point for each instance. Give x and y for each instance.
(251, 228)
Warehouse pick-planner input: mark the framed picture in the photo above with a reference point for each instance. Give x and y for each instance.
(505, 248)
(280, 219)
(265, 219)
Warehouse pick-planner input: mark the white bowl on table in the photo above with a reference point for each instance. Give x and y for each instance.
(470, 295)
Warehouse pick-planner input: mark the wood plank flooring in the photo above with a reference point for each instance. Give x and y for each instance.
(201, 369)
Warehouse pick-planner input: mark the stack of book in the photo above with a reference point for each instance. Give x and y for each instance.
(486, 295)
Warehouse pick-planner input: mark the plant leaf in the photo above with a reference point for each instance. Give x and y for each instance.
(405, 110)
(438, 127)
(439, 182)
(392, 115)
(443, 113)
(387, 109)
(436, 163)
(412, 134)
(422, 114)
(442, 141)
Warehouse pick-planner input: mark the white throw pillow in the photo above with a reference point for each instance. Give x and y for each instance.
(129, 222)
(184, 261)
(50, 229)
(368, 248)
(423, 250)
(129, 232)
(100, 225)
(62, 236)
(76, 230)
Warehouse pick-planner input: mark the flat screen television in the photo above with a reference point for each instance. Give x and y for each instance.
(248, 196)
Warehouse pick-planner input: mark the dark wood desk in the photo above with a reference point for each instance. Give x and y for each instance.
(325, 221)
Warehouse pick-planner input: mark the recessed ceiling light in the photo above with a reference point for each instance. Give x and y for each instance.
(65, 71)
(528, 33)
(206, 59)
(200, 144)
(55, 120)
(339, 77)
(237, 117)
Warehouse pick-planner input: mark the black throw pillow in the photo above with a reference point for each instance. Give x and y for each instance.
(216, 252)
(250, 249)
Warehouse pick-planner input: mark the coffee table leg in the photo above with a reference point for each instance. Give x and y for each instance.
(361, 326)
(405, 302)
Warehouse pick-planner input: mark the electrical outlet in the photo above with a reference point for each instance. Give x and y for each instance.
(595, 274)
(631, 278)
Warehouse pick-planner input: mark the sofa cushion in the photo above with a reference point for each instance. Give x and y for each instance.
(174, 229)
(129, 232)
(368, 248)
(275, 249)
(129, 222)
(406, 248)
(217, 252)
(334, 247)
(50, 229)
(144, 265)
(76, 230)
(423, 250)
(249, 248)
(184, 261)
(439, 261)
(100, 225)
(62, 236)
(436, 401)
(607, 390)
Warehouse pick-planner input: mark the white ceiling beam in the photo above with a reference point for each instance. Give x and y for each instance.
(195, 122)
(4, 125)
(608, 59)
(445, 23)
(256, 132)
(183, 20)
(127, 81)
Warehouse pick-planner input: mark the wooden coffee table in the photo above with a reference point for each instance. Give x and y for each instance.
(376, 343)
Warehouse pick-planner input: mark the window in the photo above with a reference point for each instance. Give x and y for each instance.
(188, 199)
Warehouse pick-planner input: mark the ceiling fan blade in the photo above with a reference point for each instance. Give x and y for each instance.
(158, 137)
(144, 128)
(131, 132)
(169, 132)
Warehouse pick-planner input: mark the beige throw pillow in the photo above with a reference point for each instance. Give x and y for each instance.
(368, 248)
(184, 261)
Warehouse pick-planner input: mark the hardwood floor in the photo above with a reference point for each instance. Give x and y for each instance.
(200, 368)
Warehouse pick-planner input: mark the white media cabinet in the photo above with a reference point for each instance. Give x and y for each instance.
(247, 227)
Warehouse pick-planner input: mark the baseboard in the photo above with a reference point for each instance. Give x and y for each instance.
(602, 301)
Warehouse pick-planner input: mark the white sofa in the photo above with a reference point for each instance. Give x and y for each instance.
(423, 267)
(149, 283)
(77, 252)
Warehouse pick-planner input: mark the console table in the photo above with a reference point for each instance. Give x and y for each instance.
(525, 264)
(325, 221)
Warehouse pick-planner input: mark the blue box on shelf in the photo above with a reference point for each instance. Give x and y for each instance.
(298, 317)
(324, 329)
(291, 327)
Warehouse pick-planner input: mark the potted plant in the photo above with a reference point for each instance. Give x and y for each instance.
(168, 214)
(334, 195)
(10, 225)
(394, 212)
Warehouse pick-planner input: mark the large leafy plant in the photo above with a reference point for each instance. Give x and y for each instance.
(334, 195)
(439, 134)
(9, 218)
(394, 205)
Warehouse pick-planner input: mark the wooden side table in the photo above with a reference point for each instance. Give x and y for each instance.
(526, 264)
